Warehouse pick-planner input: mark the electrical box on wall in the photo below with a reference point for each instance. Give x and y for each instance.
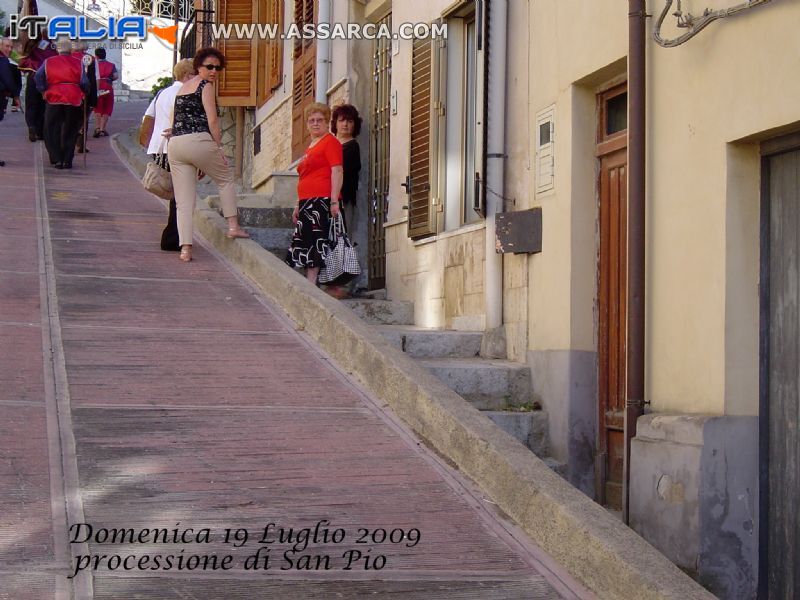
(545, 150)
(519, 232)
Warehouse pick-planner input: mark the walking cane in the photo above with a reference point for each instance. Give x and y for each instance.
(86, 61)
(85, 101)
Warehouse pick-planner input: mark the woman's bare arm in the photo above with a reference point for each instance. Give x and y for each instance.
(210, 106)
(337, 176)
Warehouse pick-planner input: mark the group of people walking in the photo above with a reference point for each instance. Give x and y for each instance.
(182, 133)
(64, 85)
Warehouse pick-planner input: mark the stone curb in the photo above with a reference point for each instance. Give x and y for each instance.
(597, 549)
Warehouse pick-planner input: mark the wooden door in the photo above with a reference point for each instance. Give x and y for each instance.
(304, 76)
(612, 294)
(780, 387)
(379, 140)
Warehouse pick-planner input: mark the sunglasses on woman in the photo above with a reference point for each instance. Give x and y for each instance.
(213, 67)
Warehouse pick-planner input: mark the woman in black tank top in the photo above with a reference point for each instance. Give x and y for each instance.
(190, 115)
(195, 147)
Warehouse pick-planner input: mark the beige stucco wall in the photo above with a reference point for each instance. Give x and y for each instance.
(340, 94)
(576, 48)
(730, 82)
(518, 179)
(444, 275)
(709, 102)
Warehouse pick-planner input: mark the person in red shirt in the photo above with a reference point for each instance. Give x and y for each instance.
(63, 83)
(35, 52)
(106, 76)
(318, 191)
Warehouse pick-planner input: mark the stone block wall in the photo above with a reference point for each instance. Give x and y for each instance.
(276, 145)
(463, 257)
(442, 276)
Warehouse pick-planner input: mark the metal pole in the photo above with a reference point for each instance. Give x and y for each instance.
(634, 405)
(175, 46)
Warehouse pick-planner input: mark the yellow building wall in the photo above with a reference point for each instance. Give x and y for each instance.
(710, 101)
(732, 82)
(575, 48)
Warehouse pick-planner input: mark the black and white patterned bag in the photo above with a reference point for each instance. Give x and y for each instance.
(341, 261)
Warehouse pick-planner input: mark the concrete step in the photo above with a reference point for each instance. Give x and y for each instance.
(282, 186)
(280, 218)
(558, 467)
(272, 239)
(529, 427)
(486, 384)
(375, 294)
(124, 94)
(419, 342)
(258, 210)
(382, 312)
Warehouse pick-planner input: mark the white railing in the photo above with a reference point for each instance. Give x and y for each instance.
(161, 8)
(102, 9)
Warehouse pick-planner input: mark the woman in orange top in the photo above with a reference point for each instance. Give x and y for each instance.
(318, 190)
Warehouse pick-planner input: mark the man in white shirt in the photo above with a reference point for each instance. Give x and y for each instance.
(157, 118)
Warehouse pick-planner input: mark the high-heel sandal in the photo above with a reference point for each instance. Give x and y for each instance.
(237, 232)
(186, 254)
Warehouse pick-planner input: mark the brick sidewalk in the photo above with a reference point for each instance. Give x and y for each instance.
(178, 397)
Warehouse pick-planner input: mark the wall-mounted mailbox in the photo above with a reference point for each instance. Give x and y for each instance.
(519, 232)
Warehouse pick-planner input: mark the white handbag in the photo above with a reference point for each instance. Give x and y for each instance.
(341, 261)
(156, 179)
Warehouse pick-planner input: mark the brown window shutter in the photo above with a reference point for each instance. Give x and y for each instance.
(304, 77)
(270, 52)
(421, 212)
(275, 50)
(237, 85)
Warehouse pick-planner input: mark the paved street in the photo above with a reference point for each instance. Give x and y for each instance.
(146, 398)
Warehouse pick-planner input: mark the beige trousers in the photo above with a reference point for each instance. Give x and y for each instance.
(188, 153)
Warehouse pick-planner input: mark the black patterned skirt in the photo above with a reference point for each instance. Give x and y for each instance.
(310, 240)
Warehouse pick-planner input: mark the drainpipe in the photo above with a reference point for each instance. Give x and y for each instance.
(634, 404)
(323, 55)
(495, 159)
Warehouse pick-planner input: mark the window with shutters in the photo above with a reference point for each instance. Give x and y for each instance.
(465, 104)
(422, 184)
(254, 68)
(270, 52)
(448, 124)
(304, 79)
(237, 82)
